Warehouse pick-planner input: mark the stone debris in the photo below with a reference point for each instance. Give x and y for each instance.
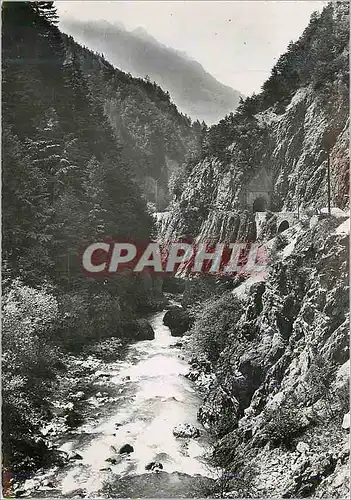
(186, 431)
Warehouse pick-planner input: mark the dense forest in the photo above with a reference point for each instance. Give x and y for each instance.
(79, 142)
(156, 139)
(300, 114)
(195, 91)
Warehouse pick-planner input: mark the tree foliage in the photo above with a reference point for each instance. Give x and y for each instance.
(66, 182)
(318, 58)
(144, 120)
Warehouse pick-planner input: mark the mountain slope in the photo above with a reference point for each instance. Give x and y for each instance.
(270, 352)
(281, 135)
(65, 185)
(195, 92)
(155, 138)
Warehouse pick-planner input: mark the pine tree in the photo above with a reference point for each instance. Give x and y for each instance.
(46, 10)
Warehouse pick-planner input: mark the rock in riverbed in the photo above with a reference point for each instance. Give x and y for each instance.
(74, 456)
(154, 466)
(186, 431)
(127, 448)
(80, 493)
(141, 330)
(177, 345)
(178, 321)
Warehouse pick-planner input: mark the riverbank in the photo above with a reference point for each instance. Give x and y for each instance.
(272, 359)
(136, 400)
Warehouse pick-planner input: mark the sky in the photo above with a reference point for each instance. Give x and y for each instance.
(238, 42)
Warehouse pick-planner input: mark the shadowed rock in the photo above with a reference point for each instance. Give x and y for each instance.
(161, 485)
(127, 448)
(178, 321)
(153, 466)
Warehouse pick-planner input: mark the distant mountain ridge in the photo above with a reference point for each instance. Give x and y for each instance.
(194, 91)
(155, 138)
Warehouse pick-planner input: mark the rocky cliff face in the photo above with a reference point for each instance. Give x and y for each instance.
(271, 352)
(291, 146)
(279, 138)
(277, 397)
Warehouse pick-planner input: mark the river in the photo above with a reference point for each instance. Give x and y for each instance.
(151, 395)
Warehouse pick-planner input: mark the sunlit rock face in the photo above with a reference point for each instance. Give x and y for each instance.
(288, 169)
(276, 397)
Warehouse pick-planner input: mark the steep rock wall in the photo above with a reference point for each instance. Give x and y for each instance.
(277, 396)
(272, 356)
(292, 148)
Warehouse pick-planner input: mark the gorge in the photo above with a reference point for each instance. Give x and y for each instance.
(199, 385)
(137, 400)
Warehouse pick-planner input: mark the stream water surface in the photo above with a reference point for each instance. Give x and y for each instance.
(151, 396)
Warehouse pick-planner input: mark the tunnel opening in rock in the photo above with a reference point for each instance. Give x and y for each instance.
(283, 226)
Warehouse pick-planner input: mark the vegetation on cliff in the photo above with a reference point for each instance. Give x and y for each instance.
(270, 352)
(67, 181)
(272, 358)
(283, 134)
(155, 139)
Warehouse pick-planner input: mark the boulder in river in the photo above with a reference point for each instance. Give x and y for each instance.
(145, 330)
(153, 466)
(177, 345)
(102, 375)
(161, 485)
(186, 431)
(178, 321)
(80, 492)
(127, 448)
(140, 329)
